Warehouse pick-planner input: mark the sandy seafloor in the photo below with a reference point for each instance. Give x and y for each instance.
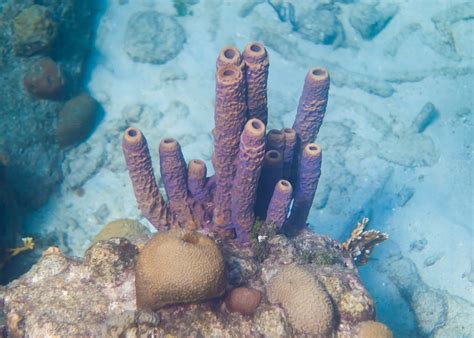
(415, 186)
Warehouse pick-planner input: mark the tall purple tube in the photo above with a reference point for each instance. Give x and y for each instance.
(312, 106)
(280, 204)
(272, 172)
(174, 176)
(256, 60)
(244, 190)
(229, 117)
(289, 154)
(197, 180)
(140, 169)
(309, 170)
(229, 55)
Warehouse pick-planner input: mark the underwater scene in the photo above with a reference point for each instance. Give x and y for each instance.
(236, 168)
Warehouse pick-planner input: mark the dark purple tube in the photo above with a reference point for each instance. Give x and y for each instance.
(229, 55)
(229, 117)
(140, 169)
(249, 165)
(280, 204)
(174, 176)
(256, 60)
(272, 172)
(289, 166)
(197, 180)
(309, 170)
(275, 141)
(312, 106)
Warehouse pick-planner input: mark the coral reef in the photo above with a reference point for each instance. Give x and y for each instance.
(178, 266)
(246, 164)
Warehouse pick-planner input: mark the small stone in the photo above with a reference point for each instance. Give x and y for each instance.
(418, 245)
(152, 37)
(243, 300)
(44, 80)
(34, 31)
(369, 20)
(102, 213)
(427, 115)
(321, 27)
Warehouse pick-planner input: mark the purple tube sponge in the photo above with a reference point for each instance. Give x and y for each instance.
(256, 59)
(289, 153)
(280, 204)
(140, 169)
(229, 117)
(197, 181)
(275, 141)
(272, 172)
(174, 176)
(312, 106)
(244, 190)
(229, 55)
(309, 170)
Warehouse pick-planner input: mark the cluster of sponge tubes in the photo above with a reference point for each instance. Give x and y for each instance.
(257, 174)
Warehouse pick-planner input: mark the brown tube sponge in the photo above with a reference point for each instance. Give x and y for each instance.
(272, 172)
(256, 59)
(197, 179)
(148, 196)
(178, 266)
(312, 106)
(244, 189)
(304, 300)
(229, 55)
(229, 118)
(174, 176)
(309, 170)
(280, 204)
(289, 154)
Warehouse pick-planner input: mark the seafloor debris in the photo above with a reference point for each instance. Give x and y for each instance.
(362, 242)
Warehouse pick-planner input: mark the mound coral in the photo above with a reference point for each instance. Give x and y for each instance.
(249, 165)
(44, 80)
(372, 329)
(178, 266)
(307, 304)
(243, 300)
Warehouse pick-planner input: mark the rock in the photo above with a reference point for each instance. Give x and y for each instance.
(152, 37)
(427, 115)
(321, 27)
(44, 80)
(76, 120)
(102, 213)
(369, 20)
(34, 31)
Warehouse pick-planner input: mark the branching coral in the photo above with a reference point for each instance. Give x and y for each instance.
(249, 165)
(362, 242)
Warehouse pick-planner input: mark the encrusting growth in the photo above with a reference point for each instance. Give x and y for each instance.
(254, 172)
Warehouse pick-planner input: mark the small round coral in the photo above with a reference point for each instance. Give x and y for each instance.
(372, 329)
(304, 300)
(178, 266)
(243, 300)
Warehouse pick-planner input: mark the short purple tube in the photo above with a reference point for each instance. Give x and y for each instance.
(280, 204)
(272, 172)
(249, 165)
(256, 59)
(229, 55)
(309, 170)
(229, 118)
(148, 196)
(174, 176)
(197, 180)
(289, 153)
(312, 106)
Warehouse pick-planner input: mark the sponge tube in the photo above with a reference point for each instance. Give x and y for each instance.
(279, 204)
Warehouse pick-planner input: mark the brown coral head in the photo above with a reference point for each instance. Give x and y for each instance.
(243, 300)
(372, 329)
(318, 74)
(284, 186)
(312, 150)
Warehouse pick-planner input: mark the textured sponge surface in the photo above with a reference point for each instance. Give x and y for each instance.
(178, 266)
(306, 303)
